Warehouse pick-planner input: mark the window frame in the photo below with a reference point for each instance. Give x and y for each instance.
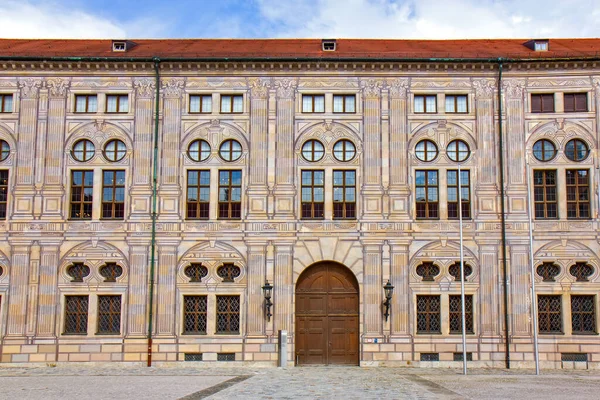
(456, 96)
(196, 314)
(576, 186)
(232, 315)
(113, 203)
(425, 110)
(119, 98)
(550, 312)
(344, 186)
(81, 203)
(544, 187)
(312, 150)
(232, 98)
(312, 187)
(115, 151)
(345, 150)
(457, 314)
(4, 149)
(87, 104)
(581, 313)
(3, 97)
(85, 149)
(574, 95)
(313, 96)
(229, 202)
(4, 185)
(575, 158)
(202, 212)
(426, 151)
(111, 314)
(201, 109)
(426, 187)
(543, 142)
(466, 205)
(542, 96)
(230, 149)
(429, 315)
(78, 315)
(344, 101)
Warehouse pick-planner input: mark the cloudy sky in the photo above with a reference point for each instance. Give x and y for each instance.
(433, 19)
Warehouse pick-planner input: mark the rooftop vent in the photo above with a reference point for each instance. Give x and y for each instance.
(538, 44)
(122, 45)
(328, 44)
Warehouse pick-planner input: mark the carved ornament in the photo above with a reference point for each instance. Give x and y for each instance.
(259, 87)
(484, 88)
(57, 87)
(172, 87)
(371, 87)
(144, 87)
(30, 88)
(286, 88)
(398, 87)
(514, 88)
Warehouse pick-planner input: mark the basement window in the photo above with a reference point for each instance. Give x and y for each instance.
(328, 44)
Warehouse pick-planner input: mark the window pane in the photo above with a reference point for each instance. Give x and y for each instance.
(225, 104)
(319, 103)
(111, 103)
(206, 104)
(350, 106)
(124, 104)
(238, 104)
(338, 103)
(306, 103)
(80, 104)
(450, 104)
(461, 104)
(419, 104)
(92, 104)
(431, 106)
(8, 103)
(194, 104)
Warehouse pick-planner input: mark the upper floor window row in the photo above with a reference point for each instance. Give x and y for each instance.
(6, 103)
(114, 104)
(342, 103)
(572, 102)
(203, 104)
(454, 104)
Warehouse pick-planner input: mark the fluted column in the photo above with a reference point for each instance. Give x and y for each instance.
(257, 261)
(399, 190)
(372, 287)
(284, 161)
(48, 289)
(519, 289)
(283, 286)
(141, 189)
(138, 287)
(53, 189)
(400, 312)
(19, 285)
(372, 189)
(489, 288)
(25, 179)
(165, 288)
(169, 177)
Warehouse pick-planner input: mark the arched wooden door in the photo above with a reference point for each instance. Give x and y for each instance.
(327, 315)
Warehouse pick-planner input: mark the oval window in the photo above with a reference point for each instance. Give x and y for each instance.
(83, 150)
(544, 150)
(199, 150)
(344, 150)
(458, 150)
(115, 150)
(576, 150)
(313, 150)
(426, 150)
(230, 150)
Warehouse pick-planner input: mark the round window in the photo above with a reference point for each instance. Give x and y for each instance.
(426, 150)
(4, 150)
(344, 150)
(230, 150)
(313, 150)
(458, 150)
(115, 150)
(199, 150)
(83, 150)
(544, 150)
(576, 150)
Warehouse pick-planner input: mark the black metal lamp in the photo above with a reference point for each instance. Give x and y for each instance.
(388, 289)
(268, 291)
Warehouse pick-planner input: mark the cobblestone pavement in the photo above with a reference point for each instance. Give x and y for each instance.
(346, 383)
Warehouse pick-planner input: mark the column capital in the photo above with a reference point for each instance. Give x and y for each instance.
(371, 87)
(172, 87)
(58, 87)
(144, 87)
(286, 87)
(30, 87)
(513, 88)
(484, 88)
(398, 87)
(259, 87)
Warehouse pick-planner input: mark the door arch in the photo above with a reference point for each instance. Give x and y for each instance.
(327, 315)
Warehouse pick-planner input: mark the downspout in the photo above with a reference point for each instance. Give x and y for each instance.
(503, 217)
(154, 192)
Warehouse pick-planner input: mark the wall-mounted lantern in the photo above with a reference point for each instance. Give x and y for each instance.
(268, 292)
(388, 290)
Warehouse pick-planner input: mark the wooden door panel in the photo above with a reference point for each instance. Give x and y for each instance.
(311, 340)
(311, 303)
(342, 303)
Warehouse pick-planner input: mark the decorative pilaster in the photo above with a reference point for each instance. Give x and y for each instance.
(596, 86)
(400, 312)
(284, 190)
(257, 262)
(520, 301)
(372, 189)
(372, 287)
(53, 189)
(165, 288)
(170, 189)
(138, 288)
(399, 190)
(259, 125)
(26, 140)
(489, 288)
(141, 189)
(47, 293)
(283, 286)
(515, 153)
(19, 285)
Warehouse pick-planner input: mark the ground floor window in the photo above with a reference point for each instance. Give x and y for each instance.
(456, 314)
(428, 314)
(228, 314)
(194, 315)
(549, 314)
(76, 315)
(583, 314)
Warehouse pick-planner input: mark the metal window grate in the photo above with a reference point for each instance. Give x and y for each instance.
(548, 271)
(228, 272)
(192, 357)
(454, 270)
(225, 356)
(228, 314)
(428, 271)
(574, 357)
(428, 314)
(582, 271)
(456, 314)
(459, 356)
(549, 314)
(194, 315)
(111, 271)
(109, 314)
(76, 315)
(583, 314)
(430, 356)
(196, 271)
(78, 271)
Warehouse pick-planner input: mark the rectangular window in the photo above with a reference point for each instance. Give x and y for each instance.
(86, 103)
(194, 315)
(313, 103)
(3, 193)
(117, 103)
(425, 104)
(76, 315)
(578, 194)
(313, 194)
(344, 194)
(456, 314)
(198, 194)
(428, 314)
(82, 194)
(465, 194)
(549, 314)
(576, 102)
(542, 102)
(232, 104)
(583, 314)
(544, 194)
(228, 314)
(426, 184)
(456, 103)
(201, 103)
(344, 103)
(113, 194)
(230, 194)
(109, 315)
(6, 103)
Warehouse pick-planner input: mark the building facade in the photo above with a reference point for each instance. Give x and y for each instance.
(326, 169)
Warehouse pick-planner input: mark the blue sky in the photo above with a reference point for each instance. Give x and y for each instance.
(434, 19)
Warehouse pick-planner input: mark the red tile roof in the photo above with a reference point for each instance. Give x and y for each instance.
(300, 48)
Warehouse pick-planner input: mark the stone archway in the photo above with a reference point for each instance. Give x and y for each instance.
(327, 307)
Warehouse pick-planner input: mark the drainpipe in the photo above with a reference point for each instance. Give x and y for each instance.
(503, 225)
(154, 191)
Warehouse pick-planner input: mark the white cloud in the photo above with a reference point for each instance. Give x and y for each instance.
(432, 19)
(20, 19)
